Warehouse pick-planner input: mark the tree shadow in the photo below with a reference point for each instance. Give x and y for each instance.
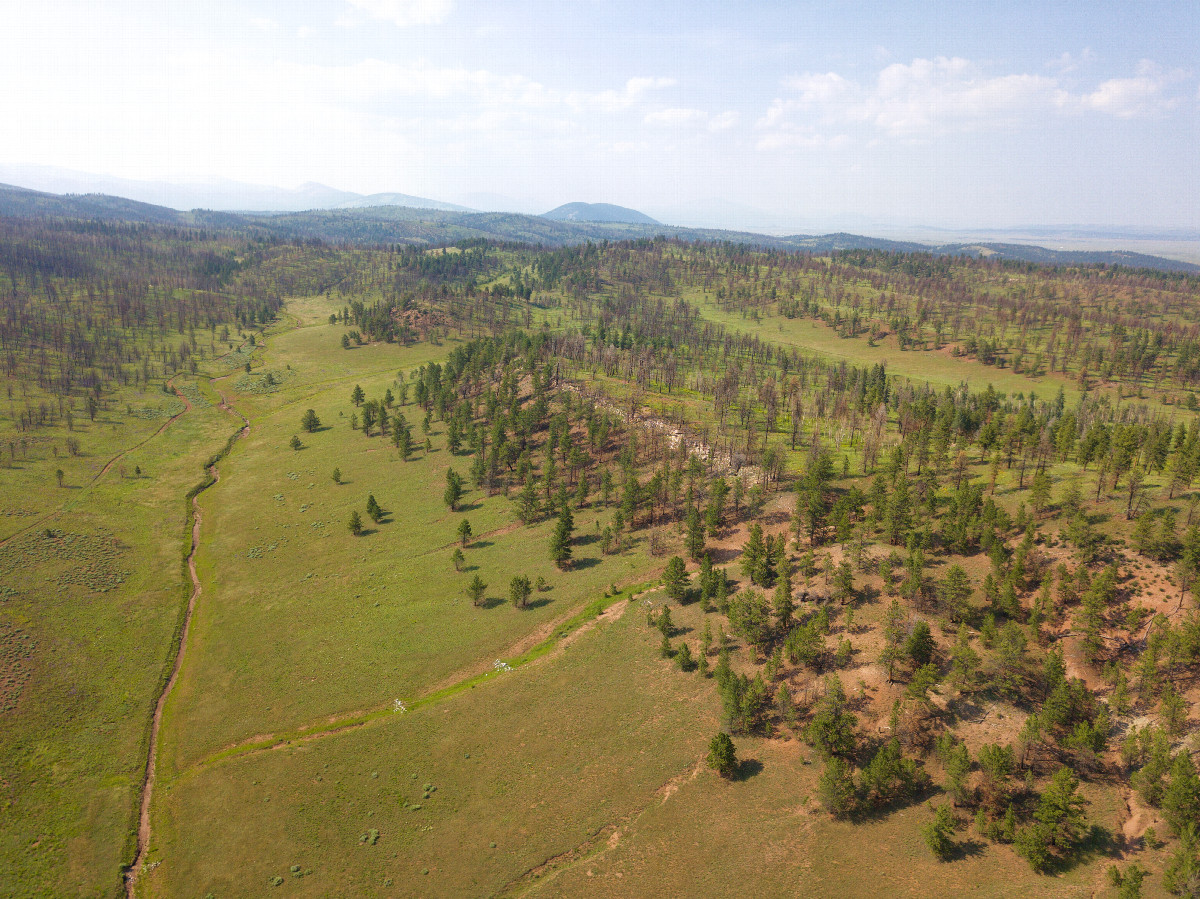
(583, 564)
(538, 603)
(968, 848)
(587, 539)
(746, 769)
(469, 507)
(480, 544)
(1099, 842)
(723, 556)
(491, 602)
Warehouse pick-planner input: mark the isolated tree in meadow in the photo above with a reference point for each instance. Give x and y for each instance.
(476, 589)
(357, 395)
(454, 489)
(356, 525)
(295, 443)
(519, 589)
(373, 509)
(337, 476)
(722, 756)
(458, 558)
(309, 422)
(560, 539)
(464, 532)
(58, 476)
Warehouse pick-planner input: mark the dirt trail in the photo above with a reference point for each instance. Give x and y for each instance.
(143, 835)
(343, 722)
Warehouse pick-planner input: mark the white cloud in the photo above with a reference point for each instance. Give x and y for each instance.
(931, 97)
(676, 117)
(1126, 98)
(723, 121)
(617, 101)
(1069, 62)
(406, 12)
(949, 94)
(827, 88)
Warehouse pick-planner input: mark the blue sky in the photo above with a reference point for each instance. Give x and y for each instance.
(943, 114)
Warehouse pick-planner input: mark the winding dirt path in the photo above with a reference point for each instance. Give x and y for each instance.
(143, 835)
(340, 723)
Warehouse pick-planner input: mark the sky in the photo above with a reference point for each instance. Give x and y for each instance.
(956, 115)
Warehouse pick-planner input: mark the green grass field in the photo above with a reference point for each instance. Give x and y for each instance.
(90, 612)
(527, 765)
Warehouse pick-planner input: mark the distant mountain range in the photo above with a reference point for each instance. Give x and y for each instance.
(408, 224)
(235, 196)
(598, 212)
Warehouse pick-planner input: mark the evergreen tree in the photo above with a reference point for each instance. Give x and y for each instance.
(560, 539)
(939, 832)
(519, 589)
(373, 509)
(835, 788)
(476, 588)
(454, 489)
(695, 534)
(675, 579)
(722, 756)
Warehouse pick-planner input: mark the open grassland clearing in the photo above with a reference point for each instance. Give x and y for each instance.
(528, 765)
(95, 602)
(366, 618)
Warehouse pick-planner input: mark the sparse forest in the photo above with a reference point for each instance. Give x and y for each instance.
(916, 535)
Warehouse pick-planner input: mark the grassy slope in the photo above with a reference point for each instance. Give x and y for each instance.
(939, 368)
(537, 761)
(73, 747)
(353, 622)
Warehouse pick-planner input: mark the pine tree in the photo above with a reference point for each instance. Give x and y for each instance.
(454, 489)
(476, 589)
(560, 539)
(722, 756)
(675, 579)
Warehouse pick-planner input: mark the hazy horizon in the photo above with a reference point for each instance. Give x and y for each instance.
(959, 116)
